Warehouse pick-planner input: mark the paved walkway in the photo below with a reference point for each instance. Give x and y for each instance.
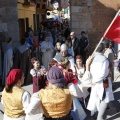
(111, 114)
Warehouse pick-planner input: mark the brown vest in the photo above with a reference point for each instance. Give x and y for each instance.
(13, 103)
(56, 102)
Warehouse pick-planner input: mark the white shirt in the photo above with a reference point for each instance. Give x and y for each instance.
(76, 92)
(25, 101)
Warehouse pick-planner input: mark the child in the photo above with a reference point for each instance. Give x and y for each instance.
(39, 75)
(79, 67)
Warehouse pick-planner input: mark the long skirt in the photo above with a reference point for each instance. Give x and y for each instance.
(46, 57)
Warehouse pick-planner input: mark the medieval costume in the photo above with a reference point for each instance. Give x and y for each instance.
(55, 100)
(101, 92)
(8, 61)
(53, 107)
(22, 57)
(15, 99)
(47, 55)
(79, 72)
(39, 80)
(59, 56)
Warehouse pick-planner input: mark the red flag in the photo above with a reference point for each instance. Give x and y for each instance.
(114, 31)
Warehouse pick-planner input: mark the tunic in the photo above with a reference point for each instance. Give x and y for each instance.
(8, 61)
(98, 74)
(47, 55)
(39, 81)
(22, 60)
(36, 100)
(80, 73)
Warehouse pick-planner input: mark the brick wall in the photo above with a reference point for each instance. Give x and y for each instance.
(92, 16)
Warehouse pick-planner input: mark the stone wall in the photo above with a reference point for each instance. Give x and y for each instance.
(92, 16)
(9, 20)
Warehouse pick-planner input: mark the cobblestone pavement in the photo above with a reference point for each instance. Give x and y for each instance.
(111, 114)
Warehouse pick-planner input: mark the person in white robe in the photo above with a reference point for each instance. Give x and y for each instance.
(47, 49)
(79, 71)
(98, 74)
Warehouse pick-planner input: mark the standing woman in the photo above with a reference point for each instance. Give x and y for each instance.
(14, 98)
(79, 71)
(47, 49)
(8, 59)
(79, 67)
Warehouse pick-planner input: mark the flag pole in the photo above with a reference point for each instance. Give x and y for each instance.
(106, 32)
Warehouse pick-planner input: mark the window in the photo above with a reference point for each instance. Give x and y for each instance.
(43, 6)
(38, 5)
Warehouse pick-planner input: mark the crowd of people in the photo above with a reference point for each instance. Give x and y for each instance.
(57, 64)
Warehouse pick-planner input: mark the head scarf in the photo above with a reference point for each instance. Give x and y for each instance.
(56, 77)
(64, 47)
(13, 76)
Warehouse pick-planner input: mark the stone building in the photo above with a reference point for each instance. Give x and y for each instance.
(17, 15)
(9, 20)
(92, 16)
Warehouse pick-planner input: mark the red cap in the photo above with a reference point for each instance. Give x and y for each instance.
(13, 76)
